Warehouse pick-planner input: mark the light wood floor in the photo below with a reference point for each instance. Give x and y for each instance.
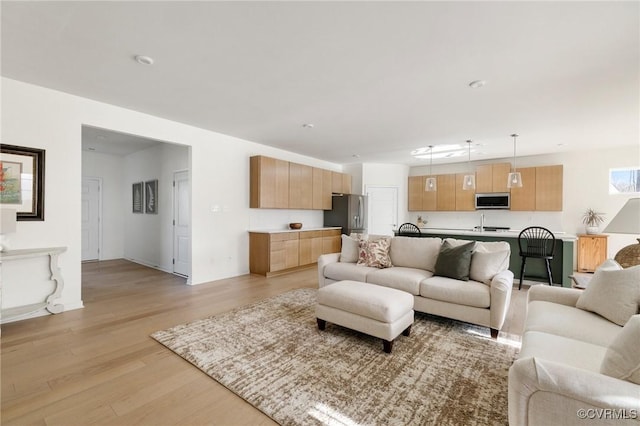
(98, 365)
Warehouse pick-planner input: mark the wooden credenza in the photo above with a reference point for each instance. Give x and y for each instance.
(592, 251)
(50, 303)
(278, 252)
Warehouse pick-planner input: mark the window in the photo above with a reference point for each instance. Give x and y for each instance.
(624, 181)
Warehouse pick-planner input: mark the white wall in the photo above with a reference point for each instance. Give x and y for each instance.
(149, 237)
(110, 169)
(585, 185)
(36, 117)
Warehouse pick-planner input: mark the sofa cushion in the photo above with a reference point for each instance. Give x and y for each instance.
(399, 277)
(375, 253)
(339, 271)
(454, 261)
(489, 259)
(564, 350)
(622, 359)
(568, 321)
(420, 253)
(468, 293)
(613, 292)
(349, 250)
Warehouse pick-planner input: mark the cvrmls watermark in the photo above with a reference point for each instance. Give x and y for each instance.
(607, 413)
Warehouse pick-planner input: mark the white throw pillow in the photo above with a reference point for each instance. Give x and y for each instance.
(349, 251)
(622, 359)
(489, 260)
(612, 293)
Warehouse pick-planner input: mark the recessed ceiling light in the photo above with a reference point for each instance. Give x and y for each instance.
(476, 84)
(144, 60)
(308, 125)
(355, 156)
(91, 149)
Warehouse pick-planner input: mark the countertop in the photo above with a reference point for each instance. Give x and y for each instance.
(512, 233)
(277, 231)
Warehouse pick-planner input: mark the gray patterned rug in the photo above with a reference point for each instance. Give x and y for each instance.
(272, 355)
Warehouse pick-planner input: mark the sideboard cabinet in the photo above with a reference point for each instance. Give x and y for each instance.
(592, 251)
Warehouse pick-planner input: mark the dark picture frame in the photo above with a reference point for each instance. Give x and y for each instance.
(22, 181)
(137, 200)
(151, 196)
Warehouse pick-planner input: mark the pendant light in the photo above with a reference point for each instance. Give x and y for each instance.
(430, 184)
(514, 180)
(469, 180)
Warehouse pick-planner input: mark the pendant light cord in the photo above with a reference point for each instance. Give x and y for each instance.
(514, 150)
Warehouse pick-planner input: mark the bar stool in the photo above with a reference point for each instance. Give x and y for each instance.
(408, 230)
(536, 242)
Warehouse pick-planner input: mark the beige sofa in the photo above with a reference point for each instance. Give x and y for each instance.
(483, 300)
(559, 375)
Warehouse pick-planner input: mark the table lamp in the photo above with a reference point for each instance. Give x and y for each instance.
(7, 226)
(627, 221)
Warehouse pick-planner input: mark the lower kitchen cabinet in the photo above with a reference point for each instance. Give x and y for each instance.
(592, 251)
(273, 253)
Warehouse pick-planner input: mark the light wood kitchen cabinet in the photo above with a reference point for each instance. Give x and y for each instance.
(316, 189)
(465, 199)
(592, 251)
(321, 189)
(300, 186)
(341, 183)
(327, 176)
(273, 252)
(446, 193)
(492, 177)
(331, 241)
(548, 188)
(310, 247)
(416, 188)
(269, 183)
(524, 199)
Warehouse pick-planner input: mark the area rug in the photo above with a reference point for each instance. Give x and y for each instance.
(272, 354)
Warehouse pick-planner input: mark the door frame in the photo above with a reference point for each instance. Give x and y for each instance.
(100, 214)
(173, 218)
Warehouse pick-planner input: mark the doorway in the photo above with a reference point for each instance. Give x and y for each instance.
(91, 218)
(383, 209)
(181, 225)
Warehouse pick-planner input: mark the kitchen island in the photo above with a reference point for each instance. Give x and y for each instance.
(561, 265)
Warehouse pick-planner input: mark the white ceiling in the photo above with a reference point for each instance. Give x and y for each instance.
(377, 79)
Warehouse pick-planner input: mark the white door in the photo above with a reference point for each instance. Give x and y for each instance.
(181, 224)
(91, 200)
(383, 209)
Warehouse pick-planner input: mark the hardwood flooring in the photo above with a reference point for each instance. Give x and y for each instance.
(98, 365)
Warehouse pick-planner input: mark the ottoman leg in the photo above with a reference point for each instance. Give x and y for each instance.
(407, 331)
(321, 323)
(388, 345)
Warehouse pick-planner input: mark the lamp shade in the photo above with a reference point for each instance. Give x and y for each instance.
(627, 221)
(7, 221)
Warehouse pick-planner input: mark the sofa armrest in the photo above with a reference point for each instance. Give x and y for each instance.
(323, 261)
(543, 392)
(501, 286)
(560, 295)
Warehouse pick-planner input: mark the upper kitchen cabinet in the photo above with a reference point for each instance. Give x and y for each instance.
(465, 199)
(269, 183)
(548, 188)
(524, 198)
(341, 183)
(322, 185)
(300, 186)
(492, 177)
(446, 193)
(416, 188)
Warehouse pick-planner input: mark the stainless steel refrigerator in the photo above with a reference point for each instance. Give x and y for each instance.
(349, 212)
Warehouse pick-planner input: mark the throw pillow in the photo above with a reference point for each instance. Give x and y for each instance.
(349, 250)
(622, 359)
(489, 259)
(612, 293)
(375, 253)
(454, 261)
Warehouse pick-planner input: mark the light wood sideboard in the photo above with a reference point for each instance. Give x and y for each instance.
(592, 251)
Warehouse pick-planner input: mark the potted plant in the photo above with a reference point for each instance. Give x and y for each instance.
(592, 220)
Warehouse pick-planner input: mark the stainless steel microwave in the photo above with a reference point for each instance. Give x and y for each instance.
(494, 200)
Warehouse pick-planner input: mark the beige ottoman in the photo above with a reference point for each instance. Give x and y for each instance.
(371, 309)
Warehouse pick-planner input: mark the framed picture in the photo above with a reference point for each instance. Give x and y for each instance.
(151, 196)
(22, 181)
(138, 197)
